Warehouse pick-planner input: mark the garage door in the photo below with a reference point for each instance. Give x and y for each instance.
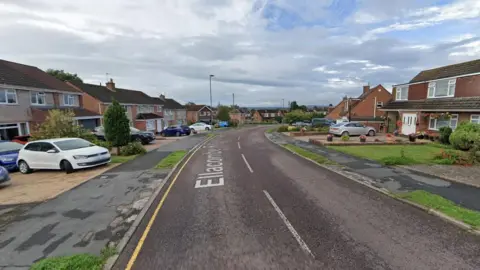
(89, 124)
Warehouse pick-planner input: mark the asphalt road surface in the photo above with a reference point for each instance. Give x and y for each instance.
(242, 202)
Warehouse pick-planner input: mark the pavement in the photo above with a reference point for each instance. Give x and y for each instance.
(242, 202)
(394, 179)
(90, 216)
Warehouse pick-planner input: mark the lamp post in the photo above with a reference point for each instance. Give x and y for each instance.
(211, 105)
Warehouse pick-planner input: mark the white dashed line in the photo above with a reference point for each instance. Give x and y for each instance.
(239, 145)
(246, 162)
(295, 234)
(238, 139)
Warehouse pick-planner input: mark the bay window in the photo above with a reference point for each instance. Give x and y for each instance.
(437, 123)
(37, 98)
(8, 96)
(441, 88)
(402, 93)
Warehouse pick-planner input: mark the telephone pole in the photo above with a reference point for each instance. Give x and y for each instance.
(233, 100)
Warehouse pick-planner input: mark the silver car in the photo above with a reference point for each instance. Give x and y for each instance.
(351, 128)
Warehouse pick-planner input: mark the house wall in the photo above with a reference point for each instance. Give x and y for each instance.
(417, 91)
(468, 86)
(92, 104)
(192, 116)
(423, 122)
(257, 117)
(366, 106)
(19, 112)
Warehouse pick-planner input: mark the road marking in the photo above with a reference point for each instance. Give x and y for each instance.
(214, 170)
(210, 176)
(212, 173)
(239, 145)
(246, 162)
(238, 139)
(159, 206)
(302, 244)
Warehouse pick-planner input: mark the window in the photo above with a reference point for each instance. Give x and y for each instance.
(33, 147)
(8, 96)
(69, 100)
(437, 123)
(475, 118)
(37, 98)
(402, 93)
(145, 109)
(379, 104)
(442, 88)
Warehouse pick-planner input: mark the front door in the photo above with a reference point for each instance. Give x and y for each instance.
(409, 123)
(159, 125)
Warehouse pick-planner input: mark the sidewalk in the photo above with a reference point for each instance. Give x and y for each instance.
(394, 179)
(88, 217)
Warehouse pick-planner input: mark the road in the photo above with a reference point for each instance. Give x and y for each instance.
(265, 208)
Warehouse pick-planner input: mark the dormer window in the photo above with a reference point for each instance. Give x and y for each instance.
(402, 93)
(441, 88)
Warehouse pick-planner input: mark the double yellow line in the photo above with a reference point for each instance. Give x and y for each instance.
(159, 206)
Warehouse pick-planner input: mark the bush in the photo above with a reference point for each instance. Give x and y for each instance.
(465, 135)
(445, 133)
(60, 124)
(282, 129)
(451, 157)
(397, 161)
(80, 262)
(345, 138)
(105, 144)
(116, 124)
(133, 148)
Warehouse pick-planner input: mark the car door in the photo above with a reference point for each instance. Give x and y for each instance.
(31, 154)
(360, 129)
(48, 160)
(350, 128)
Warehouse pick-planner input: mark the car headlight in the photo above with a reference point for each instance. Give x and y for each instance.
(80, 157)
(7, 159)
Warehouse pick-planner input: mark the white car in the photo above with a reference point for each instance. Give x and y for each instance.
(200, 126)
(65, 154)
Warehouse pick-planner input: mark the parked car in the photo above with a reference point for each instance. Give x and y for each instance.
(67, 154)
(301, 124)
(352, 128)
(136, 135)
(223, 124)
(8, 154)
(4, 177)
(200, 126)
(321, 122)
(176, 130)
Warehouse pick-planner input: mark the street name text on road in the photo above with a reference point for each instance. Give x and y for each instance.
(213, 176)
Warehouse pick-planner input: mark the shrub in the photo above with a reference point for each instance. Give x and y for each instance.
(133, 148)
(397, 161)
(282, 129)
(105, 144)
(345, 138)
(60, 124)
(445, 133)
(451, 157)
(465, 135)
(116, 123)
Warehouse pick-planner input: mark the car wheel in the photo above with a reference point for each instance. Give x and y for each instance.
(371, 133)
(345, 133)
(66, 166)
(177, 134)
(138, 139)
(207, 128)
(23, 167)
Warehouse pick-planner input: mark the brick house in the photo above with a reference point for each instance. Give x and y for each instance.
(436, 98)
(174, 113)
(28, 93)
(200, 113)
(238, 115)
(267, 115)
(142, 110)
(365, 108)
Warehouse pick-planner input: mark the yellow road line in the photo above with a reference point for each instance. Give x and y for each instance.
(159, 206)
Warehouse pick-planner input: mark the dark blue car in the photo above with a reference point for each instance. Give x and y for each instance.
(8, 154)
(177, 130)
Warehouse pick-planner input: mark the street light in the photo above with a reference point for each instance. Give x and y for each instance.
(211, 105)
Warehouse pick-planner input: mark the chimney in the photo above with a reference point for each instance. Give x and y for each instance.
(162, 97)
(366, 88)
(111, 85)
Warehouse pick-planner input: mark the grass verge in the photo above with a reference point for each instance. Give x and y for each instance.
(443, 205)
(271, 130)
(172, 159)
(122, 159)
(313, 156)
(77, 262)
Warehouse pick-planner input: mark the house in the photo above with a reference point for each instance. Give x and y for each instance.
(142, 110)
(267, 115)
(174, 113)
(365, 108)
(437, 98)
(26, 95)
(238, 115)
(200, 113)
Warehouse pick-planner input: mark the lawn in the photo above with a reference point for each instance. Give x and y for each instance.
(172, 159)
(392, 154)
(122, 159)
(77, 262)
(443, 205)
(313, 156)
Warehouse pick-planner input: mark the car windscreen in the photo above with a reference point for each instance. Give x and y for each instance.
(134, 129)
(72, 144)
(10, 146)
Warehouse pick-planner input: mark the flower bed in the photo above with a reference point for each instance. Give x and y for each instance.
(307, 133)
(347, 143)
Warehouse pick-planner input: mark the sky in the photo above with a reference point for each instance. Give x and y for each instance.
(265, 51)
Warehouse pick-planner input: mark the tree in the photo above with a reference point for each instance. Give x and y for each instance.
(190, 103)
(223, 113)
(64, 76)
(296, 116)
(60, 124)
(293, 106)
(317, 115)
(116, 124)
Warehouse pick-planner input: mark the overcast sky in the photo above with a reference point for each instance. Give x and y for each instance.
(312, 51)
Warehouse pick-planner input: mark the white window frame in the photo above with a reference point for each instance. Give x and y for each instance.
(7, 91)
(477, 121)
(453, 117)
(70, 100)
(379, 104)
(145, 109)
(398, 94)
(432, 87)
(38, 94)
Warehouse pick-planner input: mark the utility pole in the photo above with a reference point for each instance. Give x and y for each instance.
(233, 101)
(211, 103)
(283, 103)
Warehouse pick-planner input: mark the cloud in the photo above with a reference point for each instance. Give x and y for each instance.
(325, 70)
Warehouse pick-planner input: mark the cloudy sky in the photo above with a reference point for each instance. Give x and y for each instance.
(312, 51)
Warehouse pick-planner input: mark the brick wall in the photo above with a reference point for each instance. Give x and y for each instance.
(365, 107)
(468, 86)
